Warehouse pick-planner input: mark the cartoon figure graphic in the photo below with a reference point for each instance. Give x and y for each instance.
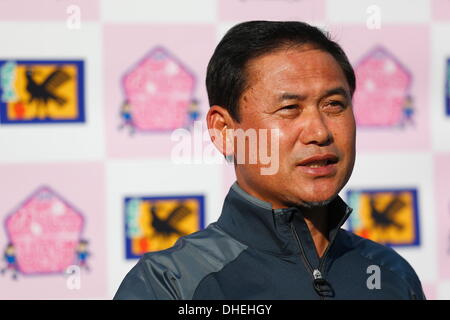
(82, 254)
(408, 112)
(11, 263)
(193, 112)
(45, 91)
(127, 117)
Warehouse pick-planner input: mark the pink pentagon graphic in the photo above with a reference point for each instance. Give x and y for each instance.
(45, 231)
(382, 89)
(159, 90)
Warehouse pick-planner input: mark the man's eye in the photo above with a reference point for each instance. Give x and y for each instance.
(335, 105)
(290, 107)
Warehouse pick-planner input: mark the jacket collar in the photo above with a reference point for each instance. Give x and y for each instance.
(253, 222)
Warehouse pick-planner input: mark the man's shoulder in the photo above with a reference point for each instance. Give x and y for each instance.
(384, 257)
(208, 246)
(175, 273)
(380, 254)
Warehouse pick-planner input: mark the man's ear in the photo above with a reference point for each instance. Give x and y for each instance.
(220, 127)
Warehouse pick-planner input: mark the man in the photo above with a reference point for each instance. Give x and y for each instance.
(279, 235)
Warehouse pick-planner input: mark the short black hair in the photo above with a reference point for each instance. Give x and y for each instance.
(226, 72)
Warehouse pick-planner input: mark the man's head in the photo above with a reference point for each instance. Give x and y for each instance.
(291, 77)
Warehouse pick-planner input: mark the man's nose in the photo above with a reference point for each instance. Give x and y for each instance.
(314, 129)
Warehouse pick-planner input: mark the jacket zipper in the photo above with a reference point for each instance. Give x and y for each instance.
(316, 273)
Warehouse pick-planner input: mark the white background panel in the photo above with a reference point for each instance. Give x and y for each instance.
(74, 141)
(153, 178)
(158, 11)
(397, 11)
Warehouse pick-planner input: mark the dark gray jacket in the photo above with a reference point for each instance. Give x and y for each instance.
(255, 252)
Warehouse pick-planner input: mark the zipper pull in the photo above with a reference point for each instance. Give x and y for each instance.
(322, 286)
(317, 274)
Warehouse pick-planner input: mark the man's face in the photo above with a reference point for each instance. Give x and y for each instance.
(302, 92)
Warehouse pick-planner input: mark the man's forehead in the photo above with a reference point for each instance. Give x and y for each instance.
(284, 69)
(299, 55)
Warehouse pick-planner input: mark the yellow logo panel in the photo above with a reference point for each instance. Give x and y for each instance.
(156, 223)
(386, 216)
(41, 91)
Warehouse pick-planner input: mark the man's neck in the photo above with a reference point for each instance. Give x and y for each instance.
(315, 218)
(317, 222)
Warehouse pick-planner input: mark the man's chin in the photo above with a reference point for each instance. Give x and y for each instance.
(317, 203)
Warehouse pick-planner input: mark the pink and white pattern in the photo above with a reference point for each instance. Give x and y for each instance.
(382, 88)
(45, 232)
(159, 90)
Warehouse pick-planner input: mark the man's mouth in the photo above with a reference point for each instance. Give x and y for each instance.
(319, 160)
(319, 165)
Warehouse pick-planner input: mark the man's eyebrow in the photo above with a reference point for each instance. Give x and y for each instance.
(291, 96)
(336, 91)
